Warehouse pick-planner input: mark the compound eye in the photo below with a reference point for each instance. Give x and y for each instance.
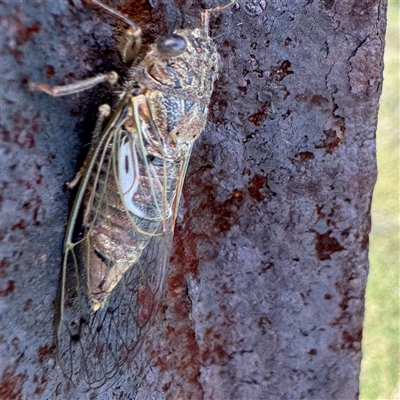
(171, 45)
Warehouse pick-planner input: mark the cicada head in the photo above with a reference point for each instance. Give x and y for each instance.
(184, 63)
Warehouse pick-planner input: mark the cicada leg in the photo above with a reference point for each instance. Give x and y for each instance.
(76, 87)
(130, 44)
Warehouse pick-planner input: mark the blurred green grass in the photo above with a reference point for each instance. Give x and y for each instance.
(380, 368)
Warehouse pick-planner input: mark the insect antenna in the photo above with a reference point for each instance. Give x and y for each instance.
(115, 13)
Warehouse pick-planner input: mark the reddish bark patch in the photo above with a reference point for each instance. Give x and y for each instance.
(305, 156)
(44, 352)
(348, 340)
(139, 11)
(32, 178)
(16, 34)
(4, 264)
(49, 71)
(9, 289)
(328, 4)
(286, 114)
(318, 100)
(344, 304)
(258, 182)
(24, 33)
(313, 100)
(23, 139)
(365, 241)
(226, 212)
(229, 44)
(261, 115)
(326, 245)
(214, 352)
(23, 132)
(259, 189)
(218, 216)
(42, 383)
(321, 215)
(183, 356)
(264, 324)
(21, 225)
(12, 384)
(331, 142)
(184, 255)
(282, 70)
(352, 339)
(27, 305)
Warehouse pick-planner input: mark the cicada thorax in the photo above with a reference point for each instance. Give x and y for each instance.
(179, 87)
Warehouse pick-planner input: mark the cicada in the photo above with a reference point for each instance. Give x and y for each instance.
(120, 230)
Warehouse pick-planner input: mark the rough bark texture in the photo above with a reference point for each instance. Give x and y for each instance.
(266, 288)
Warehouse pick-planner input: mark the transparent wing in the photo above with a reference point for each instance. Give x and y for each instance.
(118, 259)
(93, 346)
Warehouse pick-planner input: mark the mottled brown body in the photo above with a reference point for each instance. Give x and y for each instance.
(170, 97)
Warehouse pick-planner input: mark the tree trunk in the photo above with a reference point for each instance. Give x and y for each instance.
(265, 293)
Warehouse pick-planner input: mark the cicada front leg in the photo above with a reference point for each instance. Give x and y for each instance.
(76, 87)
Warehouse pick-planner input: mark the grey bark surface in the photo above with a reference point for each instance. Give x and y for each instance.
(265, 294)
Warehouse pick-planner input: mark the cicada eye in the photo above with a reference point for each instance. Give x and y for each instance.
(171, 45)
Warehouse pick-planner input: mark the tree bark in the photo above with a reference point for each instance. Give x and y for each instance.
(265, 293)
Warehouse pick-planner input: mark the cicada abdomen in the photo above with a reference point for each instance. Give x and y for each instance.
(120, 231)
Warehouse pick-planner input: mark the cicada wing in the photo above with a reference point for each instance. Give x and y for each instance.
(93, 346)
(95, 342)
